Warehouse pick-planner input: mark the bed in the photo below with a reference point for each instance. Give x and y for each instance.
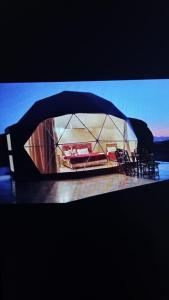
(81, 156)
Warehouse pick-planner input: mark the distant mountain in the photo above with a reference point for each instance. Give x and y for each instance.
(161, 138)
(161, 149)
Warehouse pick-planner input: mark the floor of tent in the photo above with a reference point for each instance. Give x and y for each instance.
(63, 191)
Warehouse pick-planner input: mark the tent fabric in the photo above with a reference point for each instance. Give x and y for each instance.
(68, 103)
(74, 102)
(42, 154)
(63, 106)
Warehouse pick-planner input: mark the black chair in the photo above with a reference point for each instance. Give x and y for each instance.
(147, 165)
(126, 166)
(150, 167)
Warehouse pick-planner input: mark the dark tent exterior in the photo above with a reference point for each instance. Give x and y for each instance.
(80, 118)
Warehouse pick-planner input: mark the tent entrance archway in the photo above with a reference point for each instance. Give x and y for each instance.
(75, 142)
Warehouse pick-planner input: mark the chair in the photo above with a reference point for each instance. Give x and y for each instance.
(110, 151)
(147, 165)
(111, 148)
(126, 166)
(150, 167)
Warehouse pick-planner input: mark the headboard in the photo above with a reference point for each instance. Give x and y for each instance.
(67, 147)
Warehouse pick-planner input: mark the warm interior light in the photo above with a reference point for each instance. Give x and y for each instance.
(11, 164)
(9, 142)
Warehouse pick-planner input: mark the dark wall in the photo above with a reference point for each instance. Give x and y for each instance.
(81, 42)
(42, 44)
(143, 133)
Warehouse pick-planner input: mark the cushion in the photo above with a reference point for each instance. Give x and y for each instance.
(68, 153)
(74, 151)
(83, 151)
(111, 149)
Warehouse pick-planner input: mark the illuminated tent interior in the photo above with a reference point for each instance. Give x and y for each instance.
(76, 141)
(76, 131)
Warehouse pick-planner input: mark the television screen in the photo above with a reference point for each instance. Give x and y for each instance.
(73, 126)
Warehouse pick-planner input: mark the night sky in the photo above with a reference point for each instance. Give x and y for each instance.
(143, 99)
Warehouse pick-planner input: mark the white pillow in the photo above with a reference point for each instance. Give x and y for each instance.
(68, 153)
(74, 151)
(111, 149)
(83, 151)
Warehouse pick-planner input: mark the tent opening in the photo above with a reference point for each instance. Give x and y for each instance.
(76, 142)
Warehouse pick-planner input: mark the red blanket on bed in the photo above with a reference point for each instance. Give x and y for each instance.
(80, 158)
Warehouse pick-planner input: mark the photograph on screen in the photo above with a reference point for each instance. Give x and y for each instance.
(127, 116)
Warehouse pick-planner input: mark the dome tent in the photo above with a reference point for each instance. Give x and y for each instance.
(68, 132)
